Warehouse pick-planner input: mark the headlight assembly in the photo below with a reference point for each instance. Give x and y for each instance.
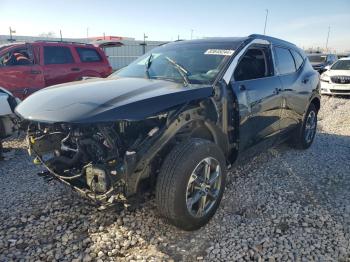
(325, 78)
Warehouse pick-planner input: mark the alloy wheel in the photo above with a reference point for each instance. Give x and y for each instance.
(203, 187)
(310, 127)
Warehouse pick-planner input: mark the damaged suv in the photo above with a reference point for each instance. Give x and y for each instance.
(174, 120)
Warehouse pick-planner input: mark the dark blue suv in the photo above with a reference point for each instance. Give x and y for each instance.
(173, 121)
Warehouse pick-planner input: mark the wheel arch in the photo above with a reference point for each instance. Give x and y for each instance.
(316, 102)
(192, 122)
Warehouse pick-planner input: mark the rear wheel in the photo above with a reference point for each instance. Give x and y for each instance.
(191, 183)
(305, 134)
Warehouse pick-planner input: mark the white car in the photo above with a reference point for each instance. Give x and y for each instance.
(336, 80)
(8, 119)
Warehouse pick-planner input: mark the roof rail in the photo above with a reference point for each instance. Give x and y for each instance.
(58, 41)
(265, 37)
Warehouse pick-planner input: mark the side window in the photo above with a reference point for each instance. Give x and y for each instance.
(57, 55)
(16, 58)
(88, 55)
(297, 58)
(285, 61)
(253, 65)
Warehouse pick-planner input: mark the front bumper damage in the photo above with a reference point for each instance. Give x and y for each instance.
(117, 181)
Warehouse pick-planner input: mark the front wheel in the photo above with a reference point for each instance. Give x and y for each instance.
(305, 134)
(191, 183)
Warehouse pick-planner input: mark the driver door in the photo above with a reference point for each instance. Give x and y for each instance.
(20, 76)
(258, 92)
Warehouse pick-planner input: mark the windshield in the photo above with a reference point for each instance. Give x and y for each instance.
(194, 63)
(317, 58)
(341, 65)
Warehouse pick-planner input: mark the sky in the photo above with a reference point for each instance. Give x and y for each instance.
(303, 22)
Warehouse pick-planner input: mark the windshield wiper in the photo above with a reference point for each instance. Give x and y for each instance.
(148, 65)
(183, 72)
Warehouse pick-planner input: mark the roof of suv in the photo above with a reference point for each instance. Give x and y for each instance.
(61, 43)
(2, 46)
(239, 40)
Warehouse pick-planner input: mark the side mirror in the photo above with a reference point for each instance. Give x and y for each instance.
(327, 67)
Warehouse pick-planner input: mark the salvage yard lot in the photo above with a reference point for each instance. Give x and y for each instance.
(284, 204)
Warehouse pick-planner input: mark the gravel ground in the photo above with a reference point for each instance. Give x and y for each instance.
(284, 204)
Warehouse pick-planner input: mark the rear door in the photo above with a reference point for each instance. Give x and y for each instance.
(257, 88)
(296, 81)
(59, 65)
(20, 71)
(92, 62)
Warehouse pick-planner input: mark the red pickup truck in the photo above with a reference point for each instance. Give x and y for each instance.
(28, 67)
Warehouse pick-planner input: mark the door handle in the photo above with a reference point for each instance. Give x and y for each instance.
(242, 88)
(34, 72)
(305, 80)
(277, 90)
(75, 69)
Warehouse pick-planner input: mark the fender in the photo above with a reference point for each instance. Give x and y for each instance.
(137, 162)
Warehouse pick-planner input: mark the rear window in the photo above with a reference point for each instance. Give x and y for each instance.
(297, 58)
(285, 61)
(57, 55)
(88, 55)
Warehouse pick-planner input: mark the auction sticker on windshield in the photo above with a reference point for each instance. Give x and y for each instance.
(219, 52)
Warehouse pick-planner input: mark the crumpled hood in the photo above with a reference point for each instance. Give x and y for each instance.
(105, 100)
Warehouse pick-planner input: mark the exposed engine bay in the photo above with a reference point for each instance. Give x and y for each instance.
(94, 159)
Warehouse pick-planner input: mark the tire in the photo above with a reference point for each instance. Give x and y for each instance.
(303, 139)
(177, 186)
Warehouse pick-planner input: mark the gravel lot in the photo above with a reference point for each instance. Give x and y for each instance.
(284, 204)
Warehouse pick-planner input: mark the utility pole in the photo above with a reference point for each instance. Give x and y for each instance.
(144, 43)
(329, 29)
(267, 14)
(87, 34)
(11, 31)
(191, 34)
(178, 37)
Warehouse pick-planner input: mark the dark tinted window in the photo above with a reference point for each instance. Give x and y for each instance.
(253, 65)
(285, 62)
(297, 58)
(57, 55)
(88, 55)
